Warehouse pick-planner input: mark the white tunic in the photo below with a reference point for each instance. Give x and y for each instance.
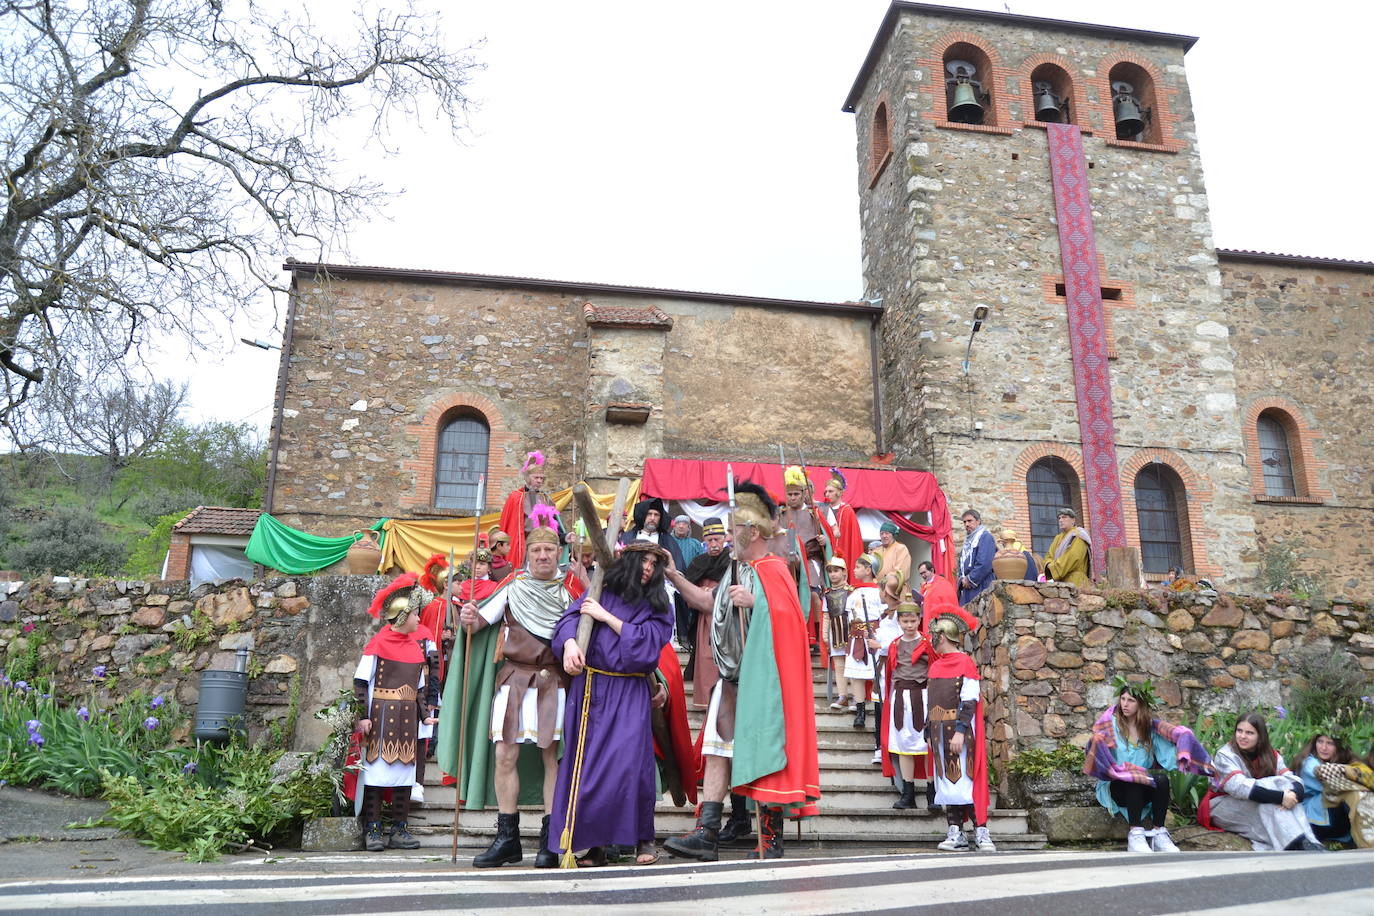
(959, 792)
(863, 606)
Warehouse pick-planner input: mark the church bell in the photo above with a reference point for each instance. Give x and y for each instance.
(1048, 106)
(964, 104)
(1130, 119)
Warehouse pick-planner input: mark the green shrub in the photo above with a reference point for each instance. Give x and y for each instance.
(145, 559)
(1032, 762)
(1327, 681)
(70, 540)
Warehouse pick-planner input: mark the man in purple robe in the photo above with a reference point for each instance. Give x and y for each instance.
(606, 786)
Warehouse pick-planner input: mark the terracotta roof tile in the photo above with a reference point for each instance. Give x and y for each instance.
(626, 316)
(219, 520)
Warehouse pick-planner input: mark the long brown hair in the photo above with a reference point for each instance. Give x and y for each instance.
(1263, 760)
(1342, 755)
(1138, 726)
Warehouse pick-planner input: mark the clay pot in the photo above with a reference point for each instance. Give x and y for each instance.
(1011, 566)
(366, 555)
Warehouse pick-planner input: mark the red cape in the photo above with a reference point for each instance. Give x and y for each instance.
(957, 664)
(400, 647)
(922, 763)
(684, 753)
(513, 523)
(848, 541)
(938, 591)
(798, 784)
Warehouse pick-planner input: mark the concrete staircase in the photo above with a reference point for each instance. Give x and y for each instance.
(855, 808)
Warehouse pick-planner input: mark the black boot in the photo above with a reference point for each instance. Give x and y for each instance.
(402, 838)
(930, 796)
(545, 857)
(908, 799)
(770, 834)
(736, 829)
(861, 716)
(703, 843)
(505, 849)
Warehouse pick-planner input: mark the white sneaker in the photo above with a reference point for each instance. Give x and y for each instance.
(878, 756)
(1161, 841)
(983, 840)
(955, 841)
(838, 704)
(417, 794)
(1136, 840)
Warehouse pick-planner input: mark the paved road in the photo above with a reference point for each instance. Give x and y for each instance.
(1222, 884)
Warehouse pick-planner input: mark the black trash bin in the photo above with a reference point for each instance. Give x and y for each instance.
(220, 707)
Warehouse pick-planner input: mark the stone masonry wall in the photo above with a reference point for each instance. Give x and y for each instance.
(1048, 653)
(375, 365)
(963, 217)
(304, 636)
(370, 359)
(1303, 338)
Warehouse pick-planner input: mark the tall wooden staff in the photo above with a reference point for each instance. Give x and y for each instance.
(467, 657)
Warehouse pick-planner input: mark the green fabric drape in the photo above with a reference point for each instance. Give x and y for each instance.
(296, 552)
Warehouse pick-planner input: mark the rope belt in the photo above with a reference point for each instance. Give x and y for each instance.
(568, 859)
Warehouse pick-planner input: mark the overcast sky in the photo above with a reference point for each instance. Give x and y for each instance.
(701, 146)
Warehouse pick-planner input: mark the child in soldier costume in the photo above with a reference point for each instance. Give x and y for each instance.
(954, 730)
(836, 597)
(904, 696)
(396, 693)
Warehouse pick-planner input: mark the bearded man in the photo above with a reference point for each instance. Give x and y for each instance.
(758, 640)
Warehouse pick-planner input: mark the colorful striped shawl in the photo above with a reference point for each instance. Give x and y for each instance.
(1101, 763)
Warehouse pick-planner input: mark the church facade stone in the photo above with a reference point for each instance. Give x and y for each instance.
(1240, 381)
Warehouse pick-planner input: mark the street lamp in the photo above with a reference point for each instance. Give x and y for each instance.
(260, 344)
(980, 314)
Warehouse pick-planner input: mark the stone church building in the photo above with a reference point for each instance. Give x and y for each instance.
(1194, 403)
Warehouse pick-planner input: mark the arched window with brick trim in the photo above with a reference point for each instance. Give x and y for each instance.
(1133, 90)
(970, 90)
(1051, 484)
(1276, 458)
(1052, 81)
(460, 458)
(880, 139)
(1162, 513)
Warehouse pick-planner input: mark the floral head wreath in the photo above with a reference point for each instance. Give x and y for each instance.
(1144, 691)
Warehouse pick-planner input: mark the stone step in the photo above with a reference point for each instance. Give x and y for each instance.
(841, 823)
(810, 844)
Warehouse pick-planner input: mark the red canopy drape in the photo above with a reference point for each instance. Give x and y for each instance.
(893, 491)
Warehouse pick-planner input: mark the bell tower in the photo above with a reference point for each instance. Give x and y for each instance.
(1037, 228)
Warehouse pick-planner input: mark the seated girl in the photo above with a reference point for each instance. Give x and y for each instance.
(1352, 784)
(1129, 752)
(1254, 794)
(1329, 817)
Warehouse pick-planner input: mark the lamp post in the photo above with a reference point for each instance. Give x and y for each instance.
(979, 315)
(260, 344)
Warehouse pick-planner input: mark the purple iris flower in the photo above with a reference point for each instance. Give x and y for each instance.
(189, 768)
(22, 685)
(150, 723)
(83, 714)
(98, 672)
(1283, 713)
(157, 701)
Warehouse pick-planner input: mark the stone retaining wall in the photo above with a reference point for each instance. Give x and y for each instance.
(303, 634)
(1048, 653)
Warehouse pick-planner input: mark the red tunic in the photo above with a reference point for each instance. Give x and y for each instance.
(845, 538)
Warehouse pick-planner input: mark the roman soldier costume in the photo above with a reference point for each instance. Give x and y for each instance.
(765, 672)
(395, 685)
(521, 512)
(840, 522)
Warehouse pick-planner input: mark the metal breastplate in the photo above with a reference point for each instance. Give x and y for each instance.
(729, 624)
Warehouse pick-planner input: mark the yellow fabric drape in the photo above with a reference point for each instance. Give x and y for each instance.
(410, 543)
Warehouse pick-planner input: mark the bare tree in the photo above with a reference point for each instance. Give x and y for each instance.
(158, 155)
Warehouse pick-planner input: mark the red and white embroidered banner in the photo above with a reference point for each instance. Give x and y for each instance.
(1087, 340)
